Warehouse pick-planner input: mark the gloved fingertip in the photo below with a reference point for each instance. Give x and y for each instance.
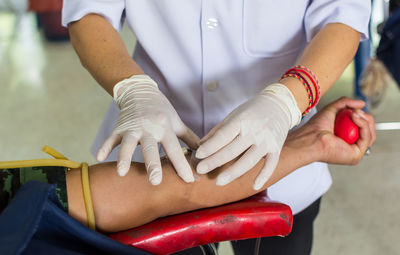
(223, 179)
(122, 172)
(202, 168)
(187, 176)
(101, 155)
(123, 167)
(200, 153)
(258, 184)
(190, 179)
(155, 176)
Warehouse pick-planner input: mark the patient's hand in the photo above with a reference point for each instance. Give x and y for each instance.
(332, 149)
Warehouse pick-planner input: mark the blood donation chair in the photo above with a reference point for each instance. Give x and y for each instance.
(253, 217)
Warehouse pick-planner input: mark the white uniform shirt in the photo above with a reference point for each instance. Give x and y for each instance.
(209, 56)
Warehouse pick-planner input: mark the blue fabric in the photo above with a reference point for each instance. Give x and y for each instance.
(389, 46)
(35, 223)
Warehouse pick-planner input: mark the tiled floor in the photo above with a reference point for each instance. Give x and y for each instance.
(46, 97)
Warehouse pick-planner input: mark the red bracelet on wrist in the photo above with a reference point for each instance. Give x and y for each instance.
(313, 75)
(307, 87)
(298, 72)
(314, 82)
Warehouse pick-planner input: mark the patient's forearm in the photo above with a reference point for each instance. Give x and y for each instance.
(125, 202)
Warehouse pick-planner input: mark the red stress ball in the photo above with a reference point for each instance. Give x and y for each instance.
(345, 127)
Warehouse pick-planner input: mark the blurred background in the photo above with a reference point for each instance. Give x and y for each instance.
(47, 97)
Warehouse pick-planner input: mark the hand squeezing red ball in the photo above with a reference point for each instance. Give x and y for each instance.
(345, 130)
(345, 127)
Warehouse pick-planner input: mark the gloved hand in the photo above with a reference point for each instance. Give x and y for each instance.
(147, 117)
(257, 128)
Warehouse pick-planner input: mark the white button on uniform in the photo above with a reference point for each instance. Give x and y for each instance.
(212, 23)
(212, 86)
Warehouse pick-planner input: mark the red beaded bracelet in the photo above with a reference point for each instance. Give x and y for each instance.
(310, 72)
(313, 75)
(308, 89)
(297, 72)
(308, 85)
(314, 82)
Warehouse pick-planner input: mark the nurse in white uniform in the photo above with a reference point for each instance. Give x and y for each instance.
(202, 64)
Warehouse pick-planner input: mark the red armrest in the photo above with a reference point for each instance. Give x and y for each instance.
(254, 217)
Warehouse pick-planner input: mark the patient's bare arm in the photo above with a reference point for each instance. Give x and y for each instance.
(125, 202)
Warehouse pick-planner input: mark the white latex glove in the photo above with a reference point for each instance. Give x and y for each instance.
(257, 128)
(147, 117)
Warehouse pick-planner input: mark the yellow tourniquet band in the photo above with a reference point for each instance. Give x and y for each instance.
(39, 162)
(60, 160)
(53, 152)
(87, 196)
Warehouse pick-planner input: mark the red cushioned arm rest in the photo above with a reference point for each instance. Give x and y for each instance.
(254, 217)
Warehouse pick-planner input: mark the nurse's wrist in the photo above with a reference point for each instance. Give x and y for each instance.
(285, 99)
(129, 83)
(298, 91)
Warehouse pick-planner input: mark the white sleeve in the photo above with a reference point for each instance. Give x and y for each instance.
(112, 10)
(353, 13)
